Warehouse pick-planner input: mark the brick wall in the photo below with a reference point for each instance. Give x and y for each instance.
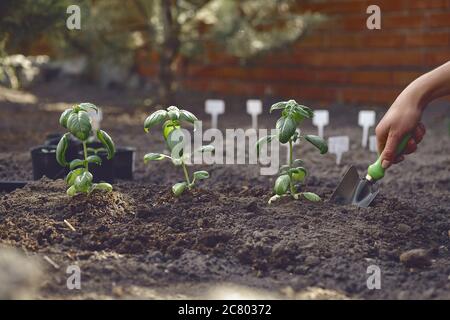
(341, 61)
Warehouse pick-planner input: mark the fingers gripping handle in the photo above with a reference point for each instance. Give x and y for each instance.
(376, 171)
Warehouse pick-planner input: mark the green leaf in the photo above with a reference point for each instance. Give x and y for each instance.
(173, 113)
(311, 196)
(79, 124)
(76, 163)
(154, 157)
(278, 105)
(83, 182)
(85, 106)
(107, 142)
(263, 140)
(61, 149)
(155, 118)
(298, 174)
(71, 191)
(169, 126)
(64, 117)
(286, 128)
(178, 188)
(187, 116)
(70, 178)
(282, 184)
(284, 169)
(318, 142)
(94, 159)
(305, 111)
(298, 117)
(298, 163)
(200, 175)
(103, 186)
(175, 137)
(177, 162)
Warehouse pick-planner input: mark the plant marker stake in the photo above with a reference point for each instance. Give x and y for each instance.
(320, 120)
(214, 108)
(338, 145)
(96, 119)
(373, 144)
(254, 108)
(293, 144)
(366, 119)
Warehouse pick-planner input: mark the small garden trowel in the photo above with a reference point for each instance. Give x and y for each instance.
(361, 192)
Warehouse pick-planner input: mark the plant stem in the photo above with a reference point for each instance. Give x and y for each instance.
(85, 156)
(290, 153)
(291, 185)
(186, 175)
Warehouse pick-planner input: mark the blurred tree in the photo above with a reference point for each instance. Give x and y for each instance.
(24, 21)
(112, 30)
(185, 28)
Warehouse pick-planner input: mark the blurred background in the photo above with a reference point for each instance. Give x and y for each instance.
(133, 57)
(310, 50)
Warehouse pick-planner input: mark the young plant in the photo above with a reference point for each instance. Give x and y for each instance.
(292, 114)
(172, 132)
(78, 122)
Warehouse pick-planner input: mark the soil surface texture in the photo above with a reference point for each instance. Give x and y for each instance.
(223, 239)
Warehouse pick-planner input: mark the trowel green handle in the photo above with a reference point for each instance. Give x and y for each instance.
(376, 171)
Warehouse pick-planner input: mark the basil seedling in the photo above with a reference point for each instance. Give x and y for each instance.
(292, 114)
(78, 122)
(172, 119)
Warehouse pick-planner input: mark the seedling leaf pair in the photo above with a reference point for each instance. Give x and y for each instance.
(292, 114)
(78, 122)
(172, 113)
(171, 120)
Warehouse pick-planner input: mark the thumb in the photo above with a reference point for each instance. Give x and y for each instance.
(389, 153)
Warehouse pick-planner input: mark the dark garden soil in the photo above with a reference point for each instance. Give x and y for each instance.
(223, 239)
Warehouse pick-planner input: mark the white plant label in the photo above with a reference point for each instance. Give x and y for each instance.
(214, 108)
(338, 145)
(366, 119)
(320, 120)
(97, 118)
(254, 108)
(373, 144)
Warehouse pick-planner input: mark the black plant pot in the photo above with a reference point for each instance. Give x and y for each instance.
(44, 163)
(9, 186)
(124, 163)
(103, 172)
(72, 150)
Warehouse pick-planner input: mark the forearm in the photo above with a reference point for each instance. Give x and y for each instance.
(432, 85)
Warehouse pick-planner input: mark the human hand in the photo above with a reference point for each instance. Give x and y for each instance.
(402, 118)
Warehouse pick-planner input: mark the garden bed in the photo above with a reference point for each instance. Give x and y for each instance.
(142, 242)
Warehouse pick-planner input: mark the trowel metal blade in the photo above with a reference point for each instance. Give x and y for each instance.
(364, 193)
(352, 189)
(346, 188)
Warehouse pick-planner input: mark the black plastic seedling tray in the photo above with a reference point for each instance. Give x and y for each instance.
(9, 186)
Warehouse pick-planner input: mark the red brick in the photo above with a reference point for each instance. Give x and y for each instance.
(403, 21)
(436, 58)
(428, 40)
(428, 4)
(403, 78)
(371, 77)
(438, 19)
